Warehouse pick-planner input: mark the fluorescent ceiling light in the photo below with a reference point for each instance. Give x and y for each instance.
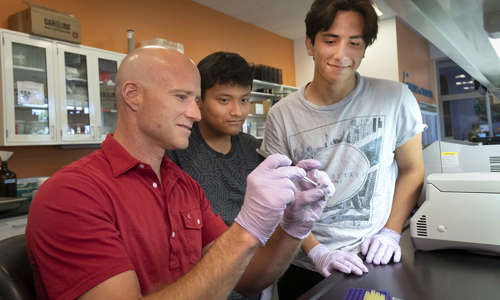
(379, 13)
(464, 82)
(496, 45)
(460, 76)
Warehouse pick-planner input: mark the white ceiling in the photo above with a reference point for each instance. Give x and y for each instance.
(283, 17)
(454, 26)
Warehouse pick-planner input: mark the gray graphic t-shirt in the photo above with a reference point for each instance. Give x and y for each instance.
(355, 140)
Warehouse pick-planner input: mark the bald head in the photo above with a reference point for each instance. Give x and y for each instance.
(149, 64)
(156, 94)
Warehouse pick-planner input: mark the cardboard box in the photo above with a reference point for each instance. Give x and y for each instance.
(46, 22)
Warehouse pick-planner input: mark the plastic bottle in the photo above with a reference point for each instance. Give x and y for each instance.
(8, 181)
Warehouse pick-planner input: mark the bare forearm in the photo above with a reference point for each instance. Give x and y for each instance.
(406, 193)
(269, 262)
(309, 242)
(218, 271)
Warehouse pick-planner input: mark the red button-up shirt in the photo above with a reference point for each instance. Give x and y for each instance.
(108, 213)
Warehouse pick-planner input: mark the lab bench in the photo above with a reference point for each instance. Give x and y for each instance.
(432, 275)
(13, 226)
(13, 216)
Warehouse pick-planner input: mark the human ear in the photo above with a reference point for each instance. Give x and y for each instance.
(309, 46)
(131, 94)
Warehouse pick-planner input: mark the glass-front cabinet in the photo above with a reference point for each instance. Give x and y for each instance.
(28, 108)
(106, 119)
(76, 111)
(56, 92)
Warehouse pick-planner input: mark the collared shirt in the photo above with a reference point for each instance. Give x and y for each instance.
(108, 213)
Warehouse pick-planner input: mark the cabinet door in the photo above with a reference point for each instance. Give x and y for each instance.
(107, 64)
(29, 102)
(77, 110)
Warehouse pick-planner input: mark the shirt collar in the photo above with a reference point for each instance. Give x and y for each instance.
(120, 160)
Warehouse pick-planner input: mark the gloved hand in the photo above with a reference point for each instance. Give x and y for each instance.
(310, 201)
(269, 190)
(326, 261)
(382, 246)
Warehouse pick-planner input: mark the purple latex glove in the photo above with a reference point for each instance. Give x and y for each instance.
(382, 246)
(310, 201)
(326, 261)
(269, 190)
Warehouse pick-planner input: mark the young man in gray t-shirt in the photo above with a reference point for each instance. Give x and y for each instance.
(367, 135)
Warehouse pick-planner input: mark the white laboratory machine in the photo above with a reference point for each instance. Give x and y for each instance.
(461, 211)
(458, 157)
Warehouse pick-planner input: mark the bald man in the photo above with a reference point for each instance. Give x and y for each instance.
(126, 223)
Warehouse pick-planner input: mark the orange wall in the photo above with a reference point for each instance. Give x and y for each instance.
(202, 30)
(414, 58)
(104, 24)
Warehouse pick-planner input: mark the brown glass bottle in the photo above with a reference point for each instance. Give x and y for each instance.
(8, 181)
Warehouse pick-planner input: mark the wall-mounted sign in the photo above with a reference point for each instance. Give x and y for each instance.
(415, 88)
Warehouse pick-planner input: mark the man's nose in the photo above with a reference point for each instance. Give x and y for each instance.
(341, 50)
(193, 111)
(235, 108)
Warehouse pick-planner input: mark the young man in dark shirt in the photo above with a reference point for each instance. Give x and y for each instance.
(219, 156)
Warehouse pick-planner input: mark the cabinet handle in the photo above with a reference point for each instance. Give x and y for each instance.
(6, 133)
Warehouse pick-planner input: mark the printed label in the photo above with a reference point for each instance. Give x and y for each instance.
(449, 159)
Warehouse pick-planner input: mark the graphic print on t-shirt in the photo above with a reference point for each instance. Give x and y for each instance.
(350, 149)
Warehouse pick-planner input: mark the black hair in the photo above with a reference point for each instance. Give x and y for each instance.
(322, 13)
(224, 68)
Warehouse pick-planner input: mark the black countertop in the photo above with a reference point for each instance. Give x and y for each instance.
(432, 275)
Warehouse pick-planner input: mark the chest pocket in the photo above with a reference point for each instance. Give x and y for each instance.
(192, 219)
(186, 243)
(192, 238)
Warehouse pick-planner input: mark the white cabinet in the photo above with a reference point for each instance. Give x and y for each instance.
(268, 90)
(263, 95)
(55, 92)
(87, 107)
(28, 106)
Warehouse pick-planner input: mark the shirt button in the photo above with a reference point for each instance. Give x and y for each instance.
(173, 234)
(141, 166)
(198, 221)
(155, 185)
